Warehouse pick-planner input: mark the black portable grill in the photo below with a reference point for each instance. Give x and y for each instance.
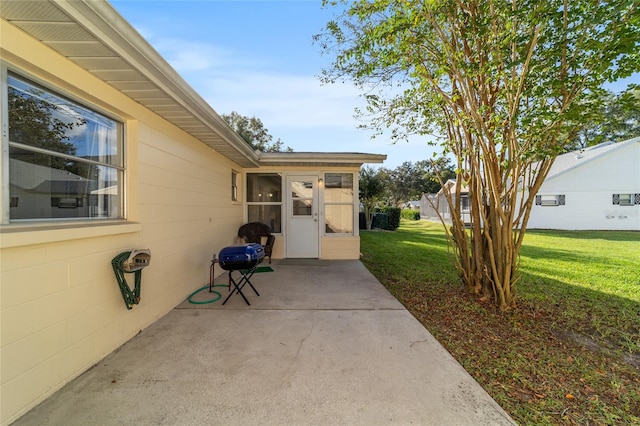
(243, 258)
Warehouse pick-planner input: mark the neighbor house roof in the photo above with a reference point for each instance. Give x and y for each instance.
(571, 160)
(450, 184)
(93, 35)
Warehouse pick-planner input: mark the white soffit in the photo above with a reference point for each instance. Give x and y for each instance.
(93, 35)
(318, 159)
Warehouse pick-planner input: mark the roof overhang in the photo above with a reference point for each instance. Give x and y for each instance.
(318, 159)
(94, 36)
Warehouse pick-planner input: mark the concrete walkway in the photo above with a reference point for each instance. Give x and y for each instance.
(324, 344)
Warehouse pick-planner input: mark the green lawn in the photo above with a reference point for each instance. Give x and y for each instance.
(569, 353)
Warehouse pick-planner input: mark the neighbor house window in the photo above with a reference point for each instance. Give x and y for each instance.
(65, 160)
(626, 199)
(234, 186)
(550, 200)
(465, 206)
(264, 199)
(338, 203)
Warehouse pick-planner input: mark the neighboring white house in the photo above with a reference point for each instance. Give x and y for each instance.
(412, 204)
(435, 206)
(596, 188)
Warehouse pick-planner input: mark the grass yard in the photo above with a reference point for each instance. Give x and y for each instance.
(569, 353)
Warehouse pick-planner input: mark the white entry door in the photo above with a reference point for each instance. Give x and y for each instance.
(303, 224)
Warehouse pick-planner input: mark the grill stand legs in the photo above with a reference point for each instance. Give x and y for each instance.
(237, 286)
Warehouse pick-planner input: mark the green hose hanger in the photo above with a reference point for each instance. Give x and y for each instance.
(130, 262)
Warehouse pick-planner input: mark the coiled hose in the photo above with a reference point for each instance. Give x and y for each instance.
(131, 297)
(209, 286)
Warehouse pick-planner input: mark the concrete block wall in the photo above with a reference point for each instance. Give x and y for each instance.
(61, 310)
(60, 307)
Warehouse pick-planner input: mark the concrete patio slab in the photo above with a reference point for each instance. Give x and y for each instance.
(320, 345)
(305, 284)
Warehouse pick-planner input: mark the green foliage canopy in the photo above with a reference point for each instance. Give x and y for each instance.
(614, 119)
(254, 133)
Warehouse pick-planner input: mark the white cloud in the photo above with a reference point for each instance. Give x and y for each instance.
(305, 114)
(232, 81)
(187, 57)
(282, 99)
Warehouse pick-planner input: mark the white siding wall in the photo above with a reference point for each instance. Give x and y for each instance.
(588, 191)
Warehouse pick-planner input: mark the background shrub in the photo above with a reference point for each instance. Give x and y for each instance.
(410, 214)
(394, 217)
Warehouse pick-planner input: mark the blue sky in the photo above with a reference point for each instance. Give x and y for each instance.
(257, 58)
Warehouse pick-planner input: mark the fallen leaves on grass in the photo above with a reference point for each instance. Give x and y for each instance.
(522, 359)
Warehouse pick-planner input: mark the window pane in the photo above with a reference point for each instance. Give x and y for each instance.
(264, 187)
(234, 186)
(44, 120)
(464, 203)
(302, 207)
(338, 188)
(46, 186)
(549, 200)
(267, 214)
(301, 189)
(339, 219)
(626, 199)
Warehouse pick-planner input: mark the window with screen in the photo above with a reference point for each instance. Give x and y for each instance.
(264, 199)
(65, 160)
(338, 203)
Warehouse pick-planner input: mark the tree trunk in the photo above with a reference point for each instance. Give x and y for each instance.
(368, 216)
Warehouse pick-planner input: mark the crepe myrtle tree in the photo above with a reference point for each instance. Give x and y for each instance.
(503, 86)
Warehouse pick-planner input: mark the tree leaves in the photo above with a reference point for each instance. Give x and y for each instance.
(254, 133)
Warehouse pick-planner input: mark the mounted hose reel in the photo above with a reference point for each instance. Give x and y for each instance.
(133, 261)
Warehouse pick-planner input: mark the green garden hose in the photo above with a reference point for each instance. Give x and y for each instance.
(204, 302)
(131, 297)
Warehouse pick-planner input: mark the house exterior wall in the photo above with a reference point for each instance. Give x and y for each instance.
(331, 246)
(588, 191)
(60, 308)
(434, 207)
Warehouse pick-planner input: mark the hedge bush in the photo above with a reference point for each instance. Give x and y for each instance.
(394, 217)
(410, 214)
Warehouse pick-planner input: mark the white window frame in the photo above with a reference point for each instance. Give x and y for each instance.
(234, 185)
(352, 204)
(550, 200)
(625, 199)
(5, 198)
(280, 203)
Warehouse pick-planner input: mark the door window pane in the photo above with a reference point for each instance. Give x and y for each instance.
(302, 189)
(302, 207)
